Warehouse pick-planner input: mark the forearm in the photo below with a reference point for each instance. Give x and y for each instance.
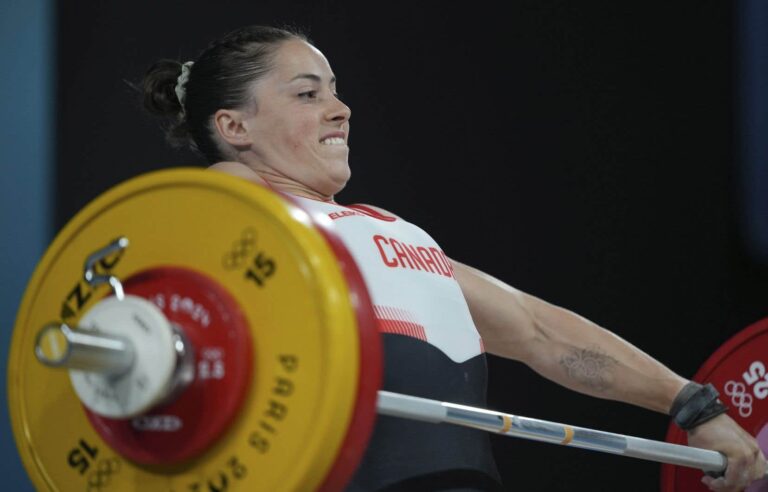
(563, 346)
(580, 355)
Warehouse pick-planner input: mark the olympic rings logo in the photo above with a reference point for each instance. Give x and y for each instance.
(740, 398)
(102, 475)
(242, 249)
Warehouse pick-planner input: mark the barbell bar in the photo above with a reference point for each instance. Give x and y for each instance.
(103, 350)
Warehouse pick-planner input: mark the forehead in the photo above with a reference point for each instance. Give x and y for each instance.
(297, 57)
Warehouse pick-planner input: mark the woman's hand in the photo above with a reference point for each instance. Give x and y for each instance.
(746, 462)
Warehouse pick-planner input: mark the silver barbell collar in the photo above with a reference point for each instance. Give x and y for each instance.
(125, 358)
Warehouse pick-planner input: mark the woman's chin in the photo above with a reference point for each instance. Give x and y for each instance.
(339, 176)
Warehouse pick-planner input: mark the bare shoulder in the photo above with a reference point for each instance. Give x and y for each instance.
(468, 276)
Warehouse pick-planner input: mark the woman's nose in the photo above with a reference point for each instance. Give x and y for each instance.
(339, 111)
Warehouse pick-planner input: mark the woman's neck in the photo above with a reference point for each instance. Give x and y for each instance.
(275, 182)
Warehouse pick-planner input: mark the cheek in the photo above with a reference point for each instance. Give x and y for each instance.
(302, 134)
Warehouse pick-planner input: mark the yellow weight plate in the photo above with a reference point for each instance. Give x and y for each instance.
(291, 291)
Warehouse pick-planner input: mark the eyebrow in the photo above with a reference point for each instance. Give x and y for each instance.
(313, 77)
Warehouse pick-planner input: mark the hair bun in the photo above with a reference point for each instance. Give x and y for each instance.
(159, 87)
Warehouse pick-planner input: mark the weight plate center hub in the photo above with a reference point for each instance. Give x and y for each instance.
(199, 390)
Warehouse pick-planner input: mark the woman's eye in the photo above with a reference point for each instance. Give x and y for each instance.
(308, 95)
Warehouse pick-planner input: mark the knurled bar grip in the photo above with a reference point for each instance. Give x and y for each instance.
(411, 407)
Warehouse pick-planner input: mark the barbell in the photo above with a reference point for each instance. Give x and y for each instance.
(188, 330)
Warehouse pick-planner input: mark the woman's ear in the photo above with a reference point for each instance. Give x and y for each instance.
(229, 125)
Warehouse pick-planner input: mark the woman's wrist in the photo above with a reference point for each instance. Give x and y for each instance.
(696, 404)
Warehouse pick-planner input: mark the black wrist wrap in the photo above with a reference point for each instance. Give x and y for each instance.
(696, 404)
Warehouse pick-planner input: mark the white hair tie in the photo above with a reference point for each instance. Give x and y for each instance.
(181, 82)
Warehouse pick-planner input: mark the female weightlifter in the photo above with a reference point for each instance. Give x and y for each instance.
(261, 104)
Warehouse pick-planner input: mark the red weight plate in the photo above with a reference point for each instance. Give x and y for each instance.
(215, 327)
(739, 371)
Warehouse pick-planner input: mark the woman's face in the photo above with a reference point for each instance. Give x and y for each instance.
(299, 129)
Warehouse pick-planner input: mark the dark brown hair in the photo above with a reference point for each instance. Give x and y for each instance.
(219, 79)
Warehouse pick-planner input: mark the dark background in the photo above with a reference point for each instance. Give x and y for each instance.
(581, 151)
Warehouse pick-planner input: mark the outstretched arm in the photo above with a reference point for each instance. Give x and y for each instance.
(576, 353)
(563, 346)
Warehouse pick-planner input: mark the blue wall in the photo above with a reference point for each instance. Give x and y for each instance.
(26, 144)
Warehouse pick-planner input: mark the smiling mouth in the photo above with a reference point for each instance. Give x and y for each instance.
(333, 141)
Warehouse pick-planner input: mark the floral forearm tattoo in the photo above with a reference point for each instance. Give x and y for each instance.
(590, 367)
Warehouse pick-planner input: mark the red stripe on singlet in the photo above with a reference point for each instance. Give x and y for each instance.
(372, 212)
(397, 321)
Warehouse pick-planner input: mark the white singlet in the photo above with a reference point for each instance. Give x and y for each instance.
(409, 278)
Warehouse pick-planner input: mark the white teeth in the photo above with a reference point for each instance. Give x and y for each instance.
(333, 141)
